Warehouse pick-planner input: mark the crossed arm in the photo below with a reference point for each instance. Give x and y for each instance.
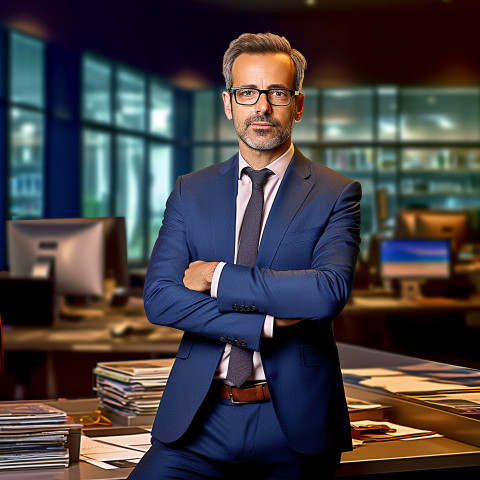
(176, 290)
(198, 276)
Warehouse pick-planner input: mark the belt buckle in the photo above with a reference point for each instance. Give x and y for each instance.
(230, 394)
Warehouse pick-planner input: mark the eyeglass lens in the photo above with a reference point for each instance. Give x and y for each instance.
(249, 96)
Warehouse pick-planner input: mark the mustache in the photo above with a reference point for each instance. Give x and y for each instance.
(261, 118)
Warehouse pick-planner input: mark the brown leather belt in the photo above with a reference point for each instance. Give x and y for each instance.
(257, 392)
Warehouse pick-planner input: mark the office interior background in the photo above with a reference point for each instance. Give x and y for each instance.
(103, 104)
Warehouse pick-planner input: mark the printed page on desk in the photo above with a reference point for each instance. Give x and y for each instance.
(408, 384)
(110, 452)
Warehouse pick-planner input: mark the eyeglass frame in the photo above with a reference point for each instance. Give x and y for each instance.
(233, 92)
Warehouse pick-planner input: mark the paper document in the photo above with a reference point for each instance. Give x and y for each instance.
(370, 372)
(408, 383)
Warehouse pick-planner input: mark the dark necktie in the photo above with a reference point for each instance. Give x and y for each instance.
(241, 359)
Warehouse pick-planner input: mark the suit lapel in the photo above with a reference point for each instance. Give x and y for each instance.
(293, 191)
(223, 194)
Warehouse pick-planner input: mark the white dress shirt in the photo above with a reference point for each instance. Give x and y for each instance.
(278, 167)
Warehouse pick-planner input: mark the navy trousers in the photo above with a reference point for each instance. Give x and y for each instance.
(230, 441)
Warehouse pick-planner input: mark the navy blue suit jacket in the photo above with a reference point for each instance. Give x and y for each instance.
(305, 269)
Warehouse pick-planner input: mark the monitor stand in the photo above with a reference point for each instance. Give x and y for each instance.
(68, 311)
(411, 290)
(44, 268)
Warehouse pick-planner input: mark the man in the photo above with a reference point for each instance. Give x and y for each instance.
(256, 388)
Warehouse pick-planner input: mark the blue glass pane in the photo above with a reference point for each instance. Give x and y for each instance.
(161, 109)
(202, 157)
(161, 184)
(26, 70)
(204, 104)
(440, 114)
(307, 129)
(130, 100)
(26, 164)
(347, 114)
(96, 174)
(387, 114)
(97, 90)
(226, 130)
(129, 195)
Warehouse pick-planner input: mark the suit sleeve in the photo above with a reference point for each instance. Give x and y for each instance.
(320, 292)
(168, 302)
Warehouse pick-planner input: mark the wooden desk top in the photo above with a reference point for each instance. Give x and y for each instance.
(95, 334)
(363, 304)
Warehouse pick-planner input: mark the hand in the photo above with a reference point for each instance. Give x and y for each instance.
(286, 322)
(198, 275)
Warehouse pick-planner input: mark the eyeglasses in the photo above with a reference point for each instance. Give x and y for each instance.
(93, 418)
(277, 97)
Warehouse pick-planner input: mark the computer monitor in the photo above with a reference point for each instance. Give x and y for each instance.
(381, 209)
(437, 224)
(78, 253)
(412, 261)
(405, 223)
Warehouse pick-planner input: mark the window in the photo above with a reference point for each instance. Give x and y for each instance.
(161, 109)
(97, 90)
(347, 115)
(26, 128)
(129, 199)
(440, 114)
(26, 71)
(96, 174)
(127, 158)
(130, 100)
(161, 178)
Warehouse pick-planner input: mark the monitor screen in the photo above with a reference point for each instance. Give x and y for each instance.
(415, 259)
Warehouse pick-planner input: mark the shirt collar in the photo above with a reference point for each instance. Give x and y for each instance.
(278, 166)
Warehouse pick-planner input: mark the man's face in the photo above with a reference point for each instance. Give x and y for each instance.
(263, 126)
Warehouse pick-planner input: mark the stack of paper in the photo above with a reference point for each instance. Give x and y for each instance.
(132, 387)
(361, 409)
(419, 382)
(32, 435)
(375, 431)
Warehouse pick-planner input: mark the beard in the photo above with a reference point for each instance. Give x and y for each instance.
(260, 139)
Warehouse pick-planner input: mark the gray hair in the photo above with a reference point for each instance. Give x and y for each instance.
(261, 43)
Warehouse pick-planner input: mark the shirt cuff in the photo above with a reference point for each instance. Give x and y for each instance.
(215, 279)
(268, 326)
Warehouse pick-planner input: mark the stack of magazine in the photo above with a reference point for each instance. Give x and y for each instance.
(130, 391)
(32, 435)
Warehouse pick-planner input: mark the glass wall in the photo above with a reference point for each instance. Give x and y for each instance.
(130, 100)
(127, 149)
(440, 114)
(97, 90)
(419, 146)
(26, 126)
(96, 173)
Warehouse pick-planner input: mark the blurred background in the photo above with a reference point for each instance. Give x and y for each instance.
(103, 104)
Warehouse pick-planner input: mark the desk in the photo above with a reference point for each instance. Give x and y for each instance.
(82, 343)
(359, 304)
(457, 450)
(444, 330)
